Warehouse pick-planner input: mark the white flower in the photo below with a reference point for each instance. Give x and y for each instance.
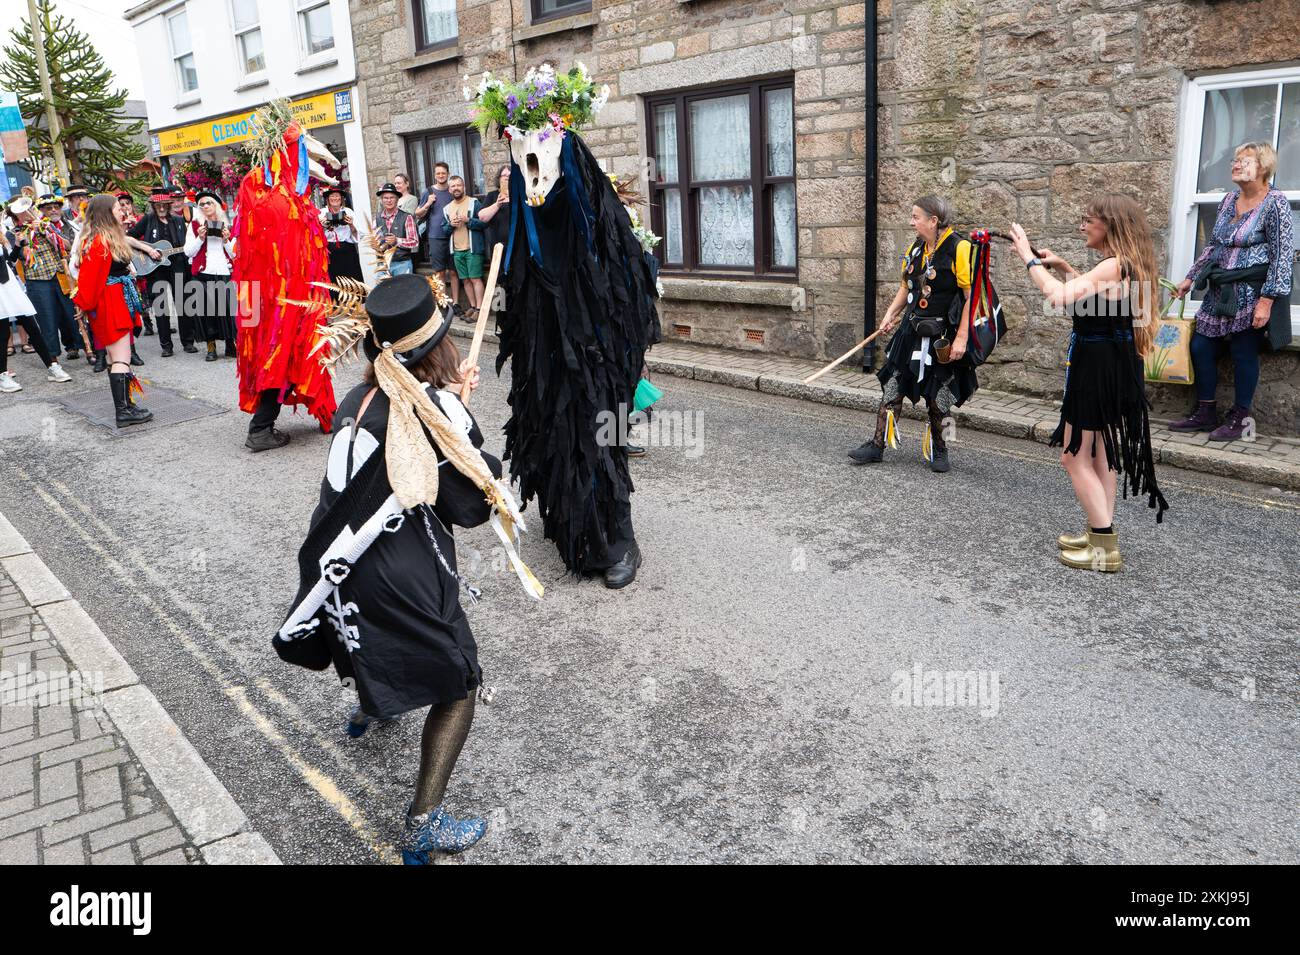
(466, 91)
(599, 102)
(582, 72)
(575, 95)
(485, 84)
(547, 71)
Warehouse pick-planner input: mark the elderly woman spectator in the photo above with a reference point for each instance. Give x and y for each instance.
(1244, 275)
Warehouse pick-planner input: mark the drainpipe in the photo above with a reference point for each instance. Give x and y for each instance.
(872, 243)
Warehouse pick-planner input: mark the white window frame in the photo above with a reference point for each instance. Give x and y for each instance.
(301, 7)
(184, 96)
(1182, 242)
(238, 32)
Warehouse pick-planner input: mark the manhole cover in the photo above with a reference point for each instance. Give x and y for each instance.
(168, 407)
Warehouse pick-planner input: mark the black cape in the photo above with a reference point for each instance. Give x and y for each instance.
(391, 619)
(579, 316)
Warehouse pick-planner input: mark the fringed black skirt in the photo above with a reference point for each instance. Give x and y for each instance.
(1105, 393)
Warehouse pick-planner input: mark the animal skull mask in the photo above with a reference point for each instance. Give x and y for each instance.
(538, 160)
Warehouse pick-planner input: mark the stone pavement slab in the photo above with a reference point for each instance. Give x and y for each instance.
(1267, 459)
(92, 769)
(1270, 460)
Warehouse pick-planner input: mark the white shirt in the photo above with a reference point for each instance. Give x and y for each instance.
(339, 233)
(218, 248)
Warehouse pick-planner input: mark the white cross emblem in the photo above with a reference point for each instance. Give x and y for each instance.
(922, 356)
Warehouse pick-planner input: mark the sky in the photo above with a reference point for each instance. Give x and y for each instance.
(112, 36)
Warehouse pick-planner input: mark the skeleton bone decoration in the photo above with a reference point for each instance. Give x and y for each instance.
(537, 153)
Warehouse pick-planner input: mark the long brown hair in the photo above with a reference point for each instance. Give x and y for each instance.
(440, 368)
(1128, 238)
(101, 220)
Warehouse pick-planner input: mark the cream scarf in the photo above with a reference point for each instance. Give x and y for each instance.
(412, 462)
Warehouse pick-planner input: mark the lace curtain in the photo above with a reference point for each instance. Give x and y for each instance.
(780, 132)
(720, 150)
(439, 20)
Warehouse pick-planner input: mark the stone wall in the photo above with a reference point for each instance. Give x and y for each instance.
(641, 47)
(1020, 110)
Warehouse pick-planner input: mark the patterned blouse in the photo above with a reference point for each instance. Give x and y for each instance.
(1262, 236)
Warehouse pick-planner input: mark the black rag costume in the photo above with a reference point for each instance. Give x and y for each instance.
(1105, 392)
(935, 282)
(579, 313)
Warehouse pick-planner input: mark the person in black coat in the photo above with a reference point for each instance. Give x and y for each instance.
(166, 286)
(379, 591)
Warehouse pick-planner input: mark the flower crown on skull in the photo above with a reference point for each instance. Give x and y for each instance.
(545, 102)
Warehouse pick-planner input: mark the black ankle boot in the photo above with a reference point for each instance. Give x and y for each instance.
(126, 412)
(101, 361)
(135, 356)
(624, 572)
(867, 453)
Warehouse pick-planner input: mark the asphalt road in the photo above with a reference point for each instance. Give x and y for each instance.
(750, 697)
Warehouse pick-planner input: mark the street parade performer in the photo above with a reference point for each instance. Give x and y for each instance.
(280, 251)
(1112, 309)
(107, 291)
(576, 321)
(927, 357)
(380, 590)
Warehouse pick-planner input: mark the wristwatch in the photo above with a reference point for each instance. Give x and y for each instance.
(1034, 261)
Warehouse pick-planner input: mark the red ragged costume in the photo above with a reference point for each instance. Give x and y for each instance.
(280, 251)
(110, 318)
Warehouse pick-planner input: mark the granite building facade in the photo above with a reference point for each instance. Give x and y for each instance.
(744, 122)
(1020, 110)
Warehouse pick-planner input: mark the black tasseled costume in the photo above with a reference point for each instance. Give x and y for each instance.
(576, 327)
(1105, 392)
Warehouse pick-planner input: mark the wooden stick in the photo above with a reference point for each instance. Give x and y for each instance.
(484, 309)
(848, 354)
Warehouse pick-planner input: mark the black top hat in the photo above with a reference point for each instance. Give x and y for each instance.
(388, 187)
(49, 199)
(397, 307)
(160, 194)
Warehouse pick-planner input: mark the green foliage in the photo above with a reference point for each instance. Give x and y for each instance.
(96, 135)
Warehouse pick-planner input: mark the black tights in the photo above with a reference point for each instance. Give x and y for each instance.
(445, 730)
(28, 322)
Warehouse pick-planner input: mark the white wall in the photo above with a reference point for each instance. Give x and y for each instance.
(222, 83)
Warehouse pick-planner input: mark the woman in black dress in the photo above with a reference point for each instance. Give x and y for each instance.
(379, 589)
(1112, 308)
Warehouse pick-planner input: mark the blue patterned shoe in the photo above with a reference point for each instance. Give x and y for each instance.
(438, 831)
(360, 721)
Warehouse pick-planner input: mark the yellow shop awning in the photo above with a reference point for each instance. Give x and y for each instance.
(313, 112)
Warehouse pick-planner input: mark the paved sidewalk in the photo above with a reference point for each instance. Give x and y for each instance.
(1271, 461)
(1266, 460)
(92, 770)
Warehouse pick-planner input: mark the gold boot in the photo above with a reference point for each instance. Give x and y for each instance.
(1100, 553)
(1072, 541)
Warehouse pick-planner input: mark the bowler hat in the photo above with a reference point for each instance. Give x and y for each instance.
(397, 307)
(76, 191)
(388, 187)
(209, 194)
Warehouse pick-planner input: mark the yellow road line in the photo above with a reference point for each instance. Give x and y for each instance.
(321, 782)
